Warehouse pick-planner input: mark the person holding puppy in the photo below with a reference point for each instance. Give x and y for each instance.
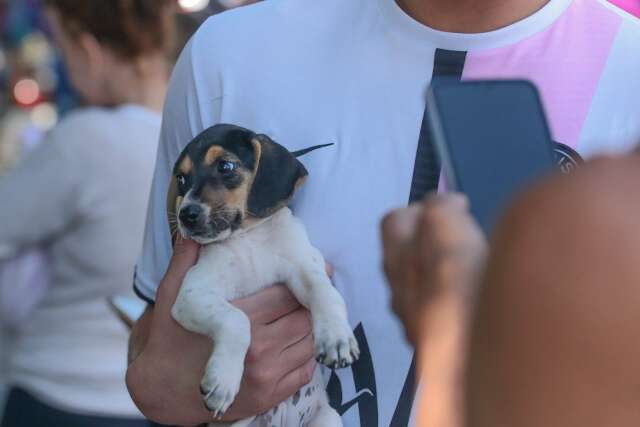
(354, 74)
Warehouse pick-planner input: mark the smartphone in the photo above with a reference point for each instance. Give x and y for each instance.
(128, 309)
(492, 138)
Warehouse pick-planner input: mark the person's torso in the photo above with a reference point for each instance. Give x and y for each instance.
(355, 74)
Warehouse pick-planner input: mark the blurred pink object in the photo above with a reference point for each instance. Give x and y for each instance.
(631, 6)
(24, 279)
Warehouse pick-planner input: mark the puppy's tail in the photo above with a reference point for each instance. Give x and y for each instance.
(310, 149)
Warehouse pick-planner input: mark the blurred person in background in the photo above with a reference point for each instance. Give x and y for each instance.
(82, 195)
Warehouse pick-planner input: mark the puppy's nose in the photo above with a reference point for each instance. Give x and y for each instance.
(189, 214)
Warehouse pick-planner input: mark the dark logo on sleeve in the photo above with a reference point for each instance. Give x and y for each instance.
(566, 158)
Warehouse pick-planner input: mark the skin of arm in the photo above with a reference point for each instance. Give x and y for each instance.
(554, 339)
(434, 252)
(139, 335)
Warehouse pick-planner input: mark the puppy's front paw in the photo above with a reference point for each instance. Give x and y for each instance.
(220, 385)
(335, 345)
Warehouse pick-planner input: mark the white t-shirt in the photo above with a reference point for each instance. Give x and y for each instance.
(81, 195)
(355, 73)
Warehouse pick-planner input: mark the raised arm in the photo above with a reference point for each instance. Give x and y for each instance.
(554, 342)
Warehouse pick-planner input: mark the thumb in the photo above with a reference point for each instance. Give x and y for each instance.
(399, 227)
(185, 255)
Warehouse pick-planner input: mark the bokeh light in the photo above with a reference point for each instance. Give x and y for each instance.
(26, 92)
(193, 5)
(44, 116)
(36, 50)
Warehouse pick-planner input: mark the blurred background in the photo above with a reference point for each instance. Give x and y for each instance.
(34, 90)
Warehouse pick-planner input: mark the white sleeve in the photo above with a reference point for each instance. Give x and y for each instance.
(184, 117)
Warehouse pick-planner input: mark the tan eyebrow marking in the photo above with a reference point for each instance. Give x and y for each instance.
(213, 154)
(186, 165)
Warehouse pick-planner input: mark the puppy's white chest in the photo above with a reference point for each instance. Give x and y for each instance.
(255, 259)
(277, 250)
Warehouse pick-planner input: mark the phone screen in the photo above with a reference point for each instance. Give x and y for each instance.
(492, 138)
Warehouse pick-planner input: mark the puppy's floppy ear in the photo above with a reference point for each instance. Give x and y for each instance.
(277, 175)
(173, 203)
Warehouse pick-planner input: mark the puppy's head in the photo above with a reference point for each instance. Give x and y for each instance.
(227, 176)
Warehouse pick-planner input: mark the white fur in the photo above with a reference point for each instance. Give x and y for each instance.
(274, 251)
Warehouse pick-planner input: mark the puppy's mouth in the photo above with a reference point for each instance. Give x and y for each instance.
(211, 228)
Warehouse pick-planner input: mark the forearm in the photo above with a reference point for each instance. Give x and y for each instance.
(443, 348)
(173, 402)
(139, 335)
(165, 398)
(442, 351)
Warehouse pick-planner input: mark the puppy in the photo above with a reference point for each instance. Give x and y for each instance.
(229, 192)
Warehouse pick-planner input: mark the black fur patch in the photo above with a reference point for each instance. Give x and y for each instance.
(234, 139)
(276, 179)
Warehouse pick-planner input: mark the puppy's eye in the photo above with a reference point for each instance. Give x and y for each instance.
(225, 167)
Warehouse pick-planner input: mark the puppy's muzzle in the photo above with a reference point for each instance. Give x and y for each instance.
(190, 216)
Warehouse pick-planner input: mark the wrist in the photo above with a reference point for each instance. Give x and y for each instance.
(443, 337)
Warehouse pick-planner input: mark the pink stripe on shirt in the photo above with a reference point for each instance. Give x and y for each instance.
(565, 61)
(631, 6)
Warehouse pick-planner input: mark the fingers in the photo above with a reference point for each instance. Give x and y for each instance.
(455, 201)
(447, 225)
(297, 354)
(289, 329)
(185, 255)
(441, 210)
(398, 233)
(294, 380)
(284, 344)
(268, 305)
(399, 226)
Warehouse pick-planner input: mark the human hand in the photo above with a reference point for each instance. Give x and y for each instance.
(432, 250)
(164, 379)
(281, 357)
(433, 254)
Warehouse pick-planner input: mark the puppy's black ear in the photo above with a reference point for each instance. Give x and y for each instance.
(277, 175)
